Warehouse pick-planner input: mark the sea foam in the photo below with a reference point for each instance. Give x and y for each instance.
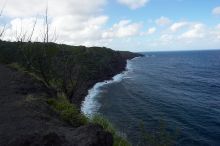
(90, 105)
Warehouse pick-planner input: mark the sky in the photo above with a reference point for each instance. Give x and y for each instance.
(132, 25)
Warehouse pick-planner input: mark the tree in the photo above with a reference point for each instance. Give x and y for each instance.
(3, 29)
(54, 64)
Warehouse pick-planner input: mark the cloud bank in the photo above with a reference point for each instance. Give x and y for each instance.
(216, 11)
(85, 22)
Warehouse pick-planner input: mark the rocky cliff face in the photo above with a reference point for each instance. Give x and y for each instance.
(27, 120)
(89, 135)
(118, 64)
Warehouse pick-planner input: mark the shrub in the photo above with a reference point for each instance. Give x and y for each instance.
(118, 139)
(68, 112)
(17, 67)
(22, 69)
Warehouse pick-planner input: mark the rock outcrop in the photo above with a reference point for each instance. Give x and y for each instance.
(27, 120)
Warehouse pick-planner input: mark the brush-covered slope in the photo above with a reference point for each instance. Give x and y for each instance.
(37, 83)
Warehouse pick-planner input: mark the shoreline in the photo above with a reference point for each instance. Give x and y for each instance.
(90, 104)
(36, 103)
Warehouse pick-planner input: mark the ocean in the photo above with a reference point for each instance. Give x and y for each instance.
(181, 89)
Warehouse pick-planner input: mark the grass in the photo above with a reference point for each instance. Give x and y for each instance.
(30, 98)
(119, 140)
(68, 112)
(19, 68)
(16, 66)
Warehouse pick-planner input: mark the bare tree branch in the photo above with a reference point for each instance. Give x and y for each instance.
(2, 9)
(54, 37)
(1, 12)
(46, 37)
(33, 29)
(19, 36)
(2, 32)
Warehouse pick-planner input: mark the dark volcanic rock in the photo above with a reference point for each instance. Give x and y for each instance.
(92, 135)
(49, 139)
(118, 64)
(25, 117)
(89, 135)
(27, 120)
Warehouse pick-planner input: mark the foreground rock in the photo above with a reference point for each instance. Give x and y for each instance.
(27, 120)
(90, 135)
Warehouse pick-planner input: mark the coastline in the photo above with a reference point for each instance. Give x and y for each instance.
(90, 105)
(37, 100)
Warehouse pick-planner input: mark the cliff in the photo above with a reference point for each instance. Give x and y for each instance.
(32, 74)
(27, 120)
(68, 69)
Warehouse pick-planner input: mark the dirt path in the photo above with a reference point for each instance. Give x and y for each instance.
(27, 120)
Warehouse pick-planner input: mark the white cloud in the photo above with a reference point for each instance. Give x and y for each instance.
(123, 29)
(191, 35)
(81, 30)
(24, 8)
(76, 22)
(216, 33)
(216, 11)
(22, 28)
(218, 26)
(84, 23)
(195, 35)
(163, 21)
(196, 31)
(134, 4)
(152, 30)
(166, 37)
(178, 25)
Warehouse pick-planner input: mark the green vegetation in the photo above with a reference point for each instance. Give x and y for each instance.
(118, 139)
(63, 68)
(30, 98)
(67, 111)
(69, 71)
(19, 68)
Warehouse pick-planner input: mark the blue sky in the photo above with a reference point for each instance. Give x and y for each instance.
(134, 25)
(194, 10)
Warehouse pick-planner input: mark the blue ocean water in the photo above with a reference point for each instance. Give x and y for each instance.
(180, 88)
